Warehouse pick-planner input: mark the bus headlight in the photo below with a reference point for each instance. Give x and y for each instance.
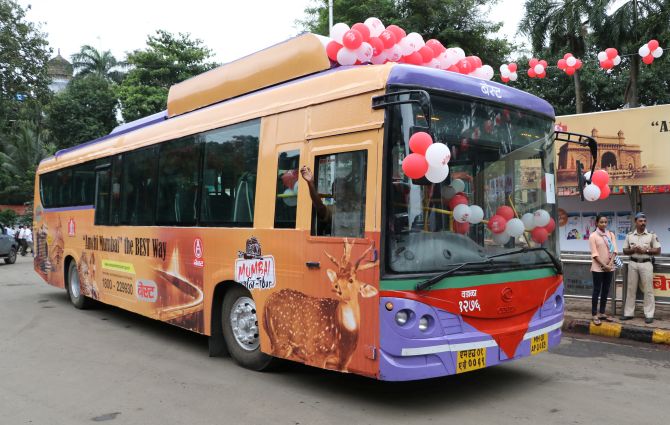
(424, 323)
(402, 317)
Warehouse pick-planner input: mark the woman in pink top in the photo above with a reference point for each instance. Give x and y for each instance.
(603, 252)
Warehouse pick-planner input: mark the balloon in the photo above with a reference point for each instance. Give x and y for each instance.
(289, 178)
(539, 235)
(352, 39)
(550, 226)
(578, 65)
(533, 62)
(464, 66)
(476, 214)
(414, 166)
(448, 192)
(653, 45)
(528, 221)
(363, 30)
(562, 63)
(375, 25)
(419, 142)
(616, 61)
(397, 31)
(438, 155)
(541, 218)
(649, 59)
(544, 74)
(497, 224)
(462, 213)
(543, 63)
(539, 69)
(657, 53)
(457, 200)
(414, 58)
(604, 192)
(377, 46)
(607, 64)
(591, 192)
(393, 54)
(512, 67)
(600, 178)
(531, 73)
(487, 70)
(602, 56)
(644, 50)
(417, 39)
(500, 238)
(388, 38)
(436, 46)
(437, 174)
(364, 52)
(513, 77)
(505, 212)
(461, 228)
(458, 185)
(587, 175)
(338, 30)
(426, 53)
(570, 71)
(346, 56)
(514, 228)
(571, 61)
(611, 52)
(407, 47)
(290, 199)
(331, 49)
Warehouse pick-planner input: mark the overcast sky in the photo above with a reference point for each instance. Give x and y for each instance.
(232, 29)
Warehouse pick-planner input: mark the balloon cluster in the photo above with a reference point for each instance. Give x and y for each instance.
(650, 51)
(609, 58)
(428, 159)
(598, 188)
(372, 42)
(538, 68)
(290, 181)
(569, 64)
(539, 224)
(508, 72)
(504, 225)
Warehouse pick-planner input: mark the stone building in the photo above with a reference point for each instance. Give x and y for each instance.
(60, 71)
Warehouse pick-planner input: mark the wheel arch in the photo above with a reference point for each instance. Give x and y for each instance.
(217, 345)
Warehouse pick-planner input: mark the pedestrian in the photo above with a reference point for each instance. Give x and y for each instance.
(603, 256)
(9, 231)
(29, 240)
(641, 245)
(22, 241)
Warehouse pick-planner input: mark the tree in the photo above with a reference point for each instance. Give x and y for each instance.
(8, 217)
(84, 111)
(453, 22)
(168, 60)
(89, 60)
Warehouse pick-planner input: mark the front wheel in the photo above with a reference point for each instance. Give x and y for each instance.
(239, 322)
(74, 288)
(11, 257)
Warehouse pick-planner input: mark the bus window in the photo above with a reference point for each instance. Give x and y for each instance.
(139, 187)
(287, 189)
(340, 183)
(83, 192)
(229, 175)
(62, 189)
(178, 174)
(115, 201)
(102, 195)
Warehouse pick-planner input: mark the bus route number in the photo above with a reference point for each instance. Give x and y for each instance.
(468, 306)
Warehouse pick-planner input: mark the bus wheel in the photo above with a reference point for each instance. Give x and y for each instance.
(241, 330)
(11, 257)
(73, 287)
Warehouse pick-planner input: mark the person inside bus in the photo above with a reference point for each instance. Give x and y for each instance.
(323, 214)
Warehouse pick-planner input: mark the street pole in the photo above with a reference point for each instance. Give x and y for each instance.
(330, 17)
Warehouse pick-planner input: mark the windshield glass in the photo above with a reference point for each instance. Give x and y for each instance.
(500, 157)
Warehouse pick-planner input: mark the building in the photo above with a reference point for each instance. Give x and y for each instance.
(60, 71)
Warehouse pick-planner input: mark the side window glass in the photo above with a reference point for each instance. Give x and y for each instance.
(47, 184)
(83, 177)
(229, 175)
(62, 188)
(102, 195)
(139, 187)
(339, 204)
(115, 201)
(287, 189)
(178, 175)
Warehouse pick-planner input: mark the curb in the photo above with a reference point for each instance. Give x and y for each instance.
(617, 330)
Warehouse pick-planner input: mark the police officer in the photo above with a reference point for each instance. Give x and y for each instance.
(640, 245)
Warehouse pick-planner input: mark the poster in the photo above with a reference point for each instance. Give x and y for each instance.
(573, 226)
(624, 224)
(588, 224)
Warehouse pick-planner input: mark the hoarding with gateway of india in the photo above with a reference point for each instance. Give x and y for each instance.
(633, 146)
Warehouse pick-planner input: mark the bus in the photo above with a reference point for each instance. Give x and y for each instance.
(267, 208)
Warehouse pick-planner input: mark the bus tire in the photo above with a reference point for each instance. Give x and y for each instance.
(241, 330)
(73, 286)
(11, 257)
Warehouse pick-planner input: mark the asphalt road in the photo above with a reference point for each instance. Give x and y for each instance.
(59, 365)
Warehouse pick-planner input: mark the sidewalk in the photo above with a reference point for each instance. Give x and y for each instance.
(578, 320)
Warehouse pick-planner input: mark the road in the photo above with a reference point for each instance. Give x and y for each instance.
(59, 365)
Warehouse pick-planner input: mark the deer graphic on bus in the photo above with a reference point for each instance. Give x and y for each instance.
(321, 331)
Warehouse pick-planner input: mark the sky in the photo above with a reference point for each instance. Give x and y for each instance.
(232, 29)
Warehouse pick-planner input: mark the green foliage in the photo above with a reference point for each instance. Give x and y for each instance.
(89, 60)
(168, 60)
(84, 111)
(8, 217)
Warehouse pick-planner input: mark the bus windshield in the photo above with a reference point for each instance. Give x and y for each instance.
(499, 157)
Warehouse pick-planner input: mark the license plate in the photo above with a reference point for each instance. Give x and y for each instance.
(468, 360)
(539, 344)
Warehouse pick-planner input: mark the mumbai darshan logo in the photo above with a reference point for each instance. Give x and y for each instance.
(198, 252)
(254, 270)
(147, 290)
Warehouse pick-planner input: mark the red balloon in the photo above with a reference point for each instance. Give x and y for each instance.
(544, 63)
(533, 62)
(464, 66)
(550, 226)
(607, 64)
(600, 178)
(544, 74)
(504, 79)
(505, 212)
(377, 45)
(653, 45)
(578, 64)
(604, 192)
(436, 46)
(531, 73)
(497, 224)
(461, 228)
(458, 199)
(352, 39)
(414, 166)
(426, 53)
(419, 142)
(388, 38)
(539, 235)
(363, 29)
(331, 49)
(397, 31)
(414, 58)
(453, 68)
(611, 52)
(567, 55)
(476, 62)
(511, 67)
(570, 71)
(562, 64)
(649, 59)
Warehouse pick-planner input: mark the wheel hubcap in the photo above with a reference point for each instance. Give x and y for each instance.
(244, 323)
(74, 283)
(12, 256)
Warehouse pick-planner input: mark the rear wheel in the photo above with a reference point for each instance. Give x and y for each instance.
(74, 288)
(239, 323)
(11, 257)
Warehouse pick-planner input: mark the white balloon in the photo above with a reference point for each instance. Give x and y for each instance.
(375, 25)
(488, 72)
(448, 192)
(379, 59)
(505, 72)
(643, 51)
(346, 56)
(458, 185)
(438, 155)
(338, 30)
(501, 238)
(476, 214)
(591, 192)
(617, 60)
(462, 213)
(417, 39)
(602, 56)
(515, 228)
(657, 53)
(539, 69)
(571, 61)
(364, 52)
(460, 53)
(513, 76)
(541, 218)
(528, 221)
(587, 175)
(437, 174)
(406, 46)
(433, 64)
(291, 198)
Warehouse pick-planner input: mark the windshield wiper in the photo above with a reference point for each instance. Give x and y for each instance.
(435, 279)
(555, 261)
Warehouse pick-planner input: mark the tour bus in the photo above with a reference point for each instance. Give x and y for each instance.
(267, 208)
